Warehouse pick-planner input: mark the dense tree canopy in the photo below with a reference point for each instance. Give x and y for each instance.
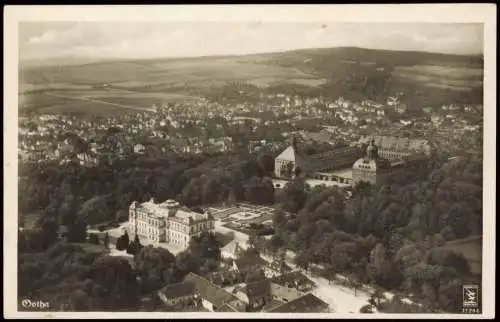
(390, 235)
(72, 279)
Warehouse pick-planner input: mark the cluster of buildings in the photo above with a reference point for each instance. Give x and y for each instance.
(372, 160)
(280, 289)
(265, 295)
(202, 126)
(229, 289)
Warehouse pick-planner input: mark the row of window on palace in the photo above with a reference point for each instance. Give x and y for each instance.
(173, 225)
(178, 239)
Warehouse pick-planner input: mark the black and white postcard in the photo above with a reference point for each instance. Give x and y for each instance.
(249, 161)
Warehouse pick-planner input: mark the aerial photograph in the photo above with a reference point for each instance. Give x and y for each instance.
(250, 166)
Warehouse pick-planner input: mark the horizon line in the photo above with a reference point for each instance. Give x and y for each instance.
(103, 58)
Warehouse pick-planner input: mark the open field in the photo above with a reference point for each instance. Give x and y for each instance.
(471, 248)
(140, 84)
(443, 71)
(326, 71)
(96, 101)
(55, 104)
(453, 78)
(153, 72)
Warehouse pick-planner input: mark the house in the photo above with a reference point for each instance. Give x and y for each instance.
(139, 148)
(231, 250)
(258, 293)
(304, 304)
(227, 307)
(276, 268)
(248, 263)
(153, 151)
(89, 158)
(216, 278)
(401, 108)
(294, 279)
(271, 305)
(224, 278)
(212, 296)
(284, 294)
(427, 110)
(393, 100)
(436, 119)
(178, 293)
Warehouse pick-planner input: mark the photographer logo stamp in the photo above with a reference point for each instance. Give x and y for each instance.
(471, 298)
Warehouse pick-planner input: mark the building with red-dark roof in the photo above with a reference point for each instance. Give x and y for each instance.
(258, 293)
(214, 297)
(304, 304)
(178, 293)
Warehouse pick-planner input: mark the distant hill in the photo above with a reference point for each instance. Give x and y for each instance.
(354, 73)
(61, 61)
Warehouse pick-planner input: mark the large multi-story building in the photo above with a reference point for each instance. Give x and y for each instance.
(167, 222)
(371, 168)
(291, 162)
(376, 169)
(345, 167)
(397, 148)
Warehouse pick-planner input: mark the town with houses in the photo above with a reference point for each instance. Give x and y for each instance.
(360, 142)
(207, 127)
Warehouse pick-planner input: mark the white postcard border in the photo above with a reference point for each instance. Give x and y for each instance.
(440, 13)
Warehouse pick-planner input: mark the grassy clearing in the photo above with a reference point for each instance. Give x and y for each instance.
(447, 71)
(153, 72)
(453, 78)
(50, 104)
(471, 249)
(72, 101)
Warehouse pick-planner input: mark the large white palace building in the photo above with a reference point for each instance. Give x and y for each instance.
(167, 222)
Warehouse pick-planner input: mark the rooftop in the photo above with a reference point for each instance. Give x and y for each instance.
(244, 262)
(209, 291)
(178, 290)
(271, 305)
(304, 304)
(170, 208)
(284, 292)
(291, 277)
(288, 154)
(397, 143)
(342, 173)
(334, 159)
(259, 288)
(227, 308)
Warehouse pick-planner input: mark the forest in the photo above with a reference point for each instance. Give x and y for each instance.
(71, 278)
(103, 193)
(389, 235)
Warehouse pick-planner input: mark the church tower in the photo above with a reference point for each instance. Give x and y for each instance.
(294, 143)
(372, 150)
(371, 168)
(289, 163)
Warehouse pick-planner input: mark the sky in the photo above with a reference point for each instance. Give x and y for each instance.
(188, 39)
